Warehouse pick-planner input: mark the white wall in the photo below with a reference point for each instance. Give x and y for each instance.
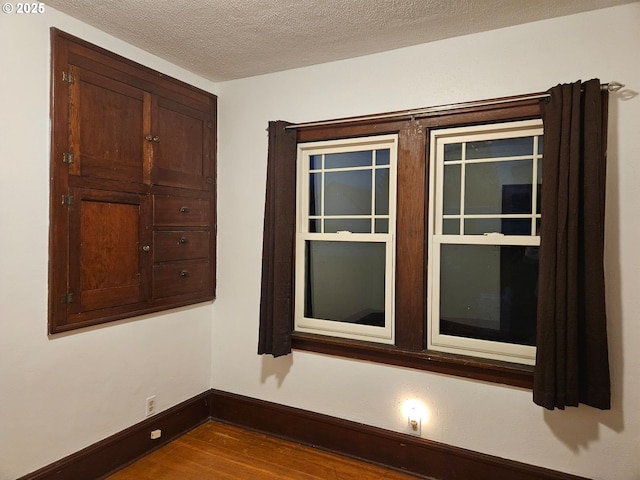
(61, 394)
(494, 419)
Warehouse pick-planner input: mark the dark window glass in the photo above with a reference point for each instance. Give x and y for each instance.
(382, 225)
(345, 281)
(451, 226)
(539, 183)
(382, 191)
(349, 159)
(347, 193)
(489, 292)
(508, 147)
(451, 194)
(506, 226)
(315, 226)
(489, 187)
(315, 194)
(452, 151)
(315, 162)
(354, 225)
(383, 156)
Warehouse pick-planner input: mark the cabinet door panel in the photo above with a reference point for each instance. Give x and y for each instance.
(107, 261)
(182, 151)
(106, 127)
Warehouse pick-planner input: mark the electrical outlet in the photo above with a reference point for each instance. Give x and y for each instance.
(415, 426)
(414, 422)
(151, 406)
(156, 434)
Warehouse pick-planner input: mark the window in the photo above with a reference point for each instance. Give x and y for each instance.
(455, 174)
(484, 219)
(346, 191)
(465, 264)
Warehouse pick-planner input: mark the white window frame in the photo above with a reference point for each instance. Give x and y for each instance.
(523, 354)
(385, 334)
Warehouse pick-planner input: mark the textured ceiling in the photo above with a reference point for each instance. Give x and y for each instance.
(228, 39)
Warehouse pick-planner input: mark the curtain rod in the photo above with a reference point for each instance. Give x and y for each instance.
(424, 112)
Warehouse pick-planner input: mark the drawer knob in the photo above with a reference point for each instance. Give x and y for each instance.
(184, 273)
(146, 248)
(184, 209)
(183, 240)
(151, 138)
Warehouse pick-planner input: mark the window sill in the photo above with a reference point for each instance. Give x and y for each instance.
(460, 366)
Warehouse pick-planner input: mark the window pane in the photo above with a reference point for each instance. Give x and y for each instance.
(451, 194)
(349, 159)
(498, 187)
(315, 189)
(382, 225)
(451, 226)
(382, 191)
(507, 226)
(480, 226)
(539, 184)
(345, 282)
(489, 292)
(452, 151)
(348, 193)
(508, 147)
(314, 226)
(354, 225)
(516, 198)
(315, 162)
(383, 156)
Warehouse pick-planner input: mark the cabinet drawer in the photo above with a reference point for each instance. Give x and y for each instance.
(180, 245)
(171, 211)
(181, 277)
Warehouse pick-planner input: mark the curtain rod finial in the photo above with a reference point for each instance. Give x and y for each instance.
(614, 86)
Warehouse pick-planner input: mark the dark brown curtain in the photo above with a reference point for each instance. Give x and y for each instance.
(572, 363)
(276, 302)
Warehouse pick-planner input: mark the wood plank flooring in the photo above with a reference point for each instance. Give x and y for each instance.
(218, 451)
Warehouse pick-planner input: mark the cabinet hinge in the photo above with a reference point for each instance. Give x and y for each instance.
(67, 77)
(67, 199)
(67, 298)
(67, 157)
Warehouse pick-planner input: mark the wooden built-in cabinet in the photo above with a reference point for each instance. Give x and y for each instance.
(133, 177)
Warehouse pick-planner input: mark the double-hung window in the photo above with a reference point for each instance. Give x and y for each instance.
(417, 240)
(484, 219)
(346, 205)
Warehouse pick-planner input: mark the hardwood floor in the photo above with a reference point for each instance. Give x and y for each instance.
(219, 451)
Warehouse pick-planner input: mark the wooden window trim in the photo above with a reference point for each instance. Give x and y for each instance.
(437, 362)
(411, 241)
